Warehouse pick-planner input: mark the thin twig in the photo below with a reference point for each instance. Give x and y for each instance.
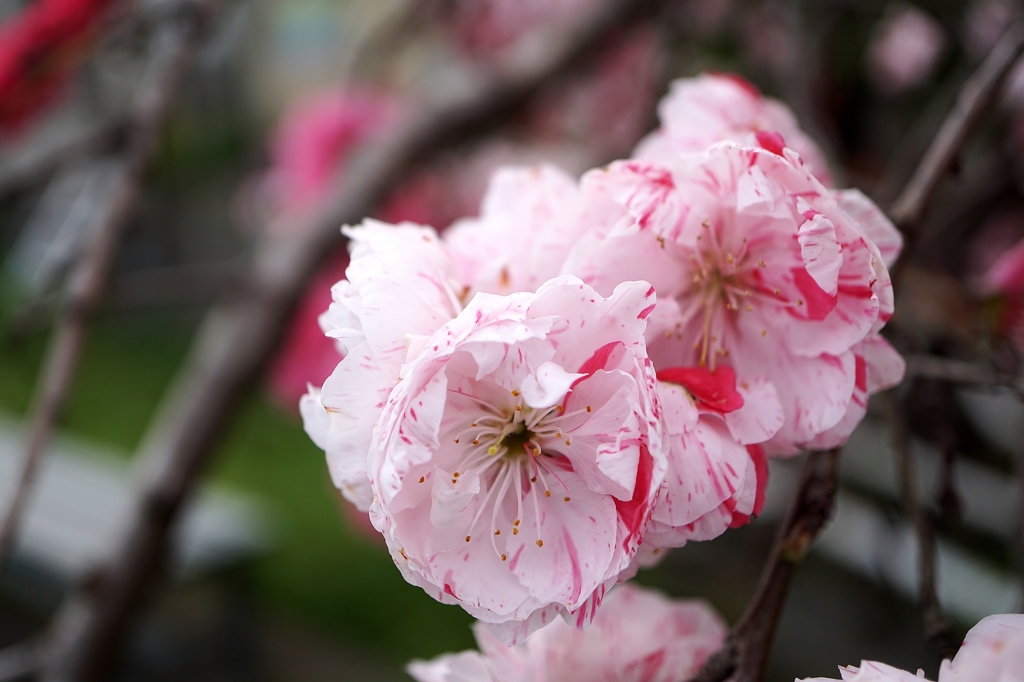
(938, 628)
(976, 95)
(237, 337)
(745, 653)
(960, 372)
(1018, 540)
(169, 52)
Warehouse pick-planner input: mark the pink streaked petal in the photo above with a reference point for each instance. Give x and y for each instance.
(761, 416)
(874, 224)
(820, 250)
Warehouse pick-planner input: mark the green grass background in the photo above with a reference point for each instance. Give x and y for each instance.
(321, 572)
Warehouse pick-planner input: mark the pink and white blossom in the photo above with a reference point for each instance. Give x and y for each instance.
(515, 465)
(698, 112)
(870, 671)
(509, 451)
(992, 651)
(529, 219)
(758, 267)
(638, 636)
(717, 470)
(399, 284)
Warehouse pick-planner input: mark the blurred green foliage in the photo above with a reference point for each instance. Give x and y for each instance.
(322, 572)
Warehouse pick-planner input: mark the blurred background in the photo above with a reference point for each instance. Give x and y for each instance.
(258, 129)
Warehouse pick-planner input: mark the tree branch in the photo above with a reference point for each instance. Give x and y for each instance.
(974, 98)
(237, 337)
(745, 653)
(938, 628)
(170, 49)
(960, 372)
(44, 159)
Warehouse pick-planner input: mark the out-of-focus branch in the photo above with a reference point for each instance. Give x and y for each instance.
(39, 163)
(236, 338)
(1018, 543)
(960, 372)
(18, 662)
(170, 48)
(938, 628)
(975, 96)
(745, 653)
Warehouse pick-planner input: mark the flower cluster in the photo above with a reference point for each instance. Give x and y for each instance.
(592, 371)
(993, 651)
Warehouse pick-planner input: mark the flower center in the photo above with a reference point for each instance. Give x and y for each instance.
(515, 451)
(721, 282)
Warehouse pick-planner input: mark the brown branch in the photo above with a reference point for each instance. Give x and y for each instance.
(960, 372)
(170, 48)
(975, 97)
(238, 336)
(938, 628)
(745, 653)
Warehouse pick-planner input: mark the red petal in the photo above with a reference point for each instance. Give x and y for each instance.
(770, 141)
(634, 512)
(819, 304)
(715, 390)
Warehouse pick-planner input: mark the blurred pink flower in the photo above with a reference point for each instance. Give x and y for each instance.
(39, 47)
(757, 266)
(639, 636)
(698, 112)
(315, 137)
(1006, 275)
(996, 268)
(904, 50)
